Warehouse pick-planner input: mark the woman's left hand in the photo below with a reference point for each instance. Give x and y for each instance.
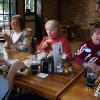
(8, 38)
(2, 61)
(94, 67)
(17, 66)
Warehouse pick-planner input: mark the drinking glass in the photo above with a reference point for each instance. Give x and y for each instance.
(91, 78)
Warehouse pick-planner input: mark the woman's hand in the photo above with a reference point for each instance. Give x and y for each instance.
(17, 66)
(8, 38)
(47, 43)
(94, 67)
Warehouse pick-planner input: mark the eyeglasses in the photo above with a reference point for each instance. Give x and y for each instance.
(12, 22)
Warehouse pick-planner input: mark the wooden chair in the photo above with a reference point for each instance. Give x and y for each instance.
(33, 40)
(29, 30)
(63, 30)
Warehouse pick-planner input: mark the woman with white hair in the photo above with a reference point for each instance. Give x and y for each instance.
(55, 42)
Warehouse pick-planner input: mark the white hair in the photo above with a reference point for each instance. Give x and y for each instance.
(52, 24)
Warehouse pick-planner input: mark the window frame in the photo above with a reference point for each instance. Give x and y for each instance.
(6, 23)
(27, 11)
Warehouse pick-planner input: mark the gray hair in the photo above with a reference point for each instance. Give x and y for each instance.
(52, 24)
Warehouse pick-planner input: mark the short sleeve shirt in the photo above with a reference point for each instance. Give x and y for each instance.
(3, 87)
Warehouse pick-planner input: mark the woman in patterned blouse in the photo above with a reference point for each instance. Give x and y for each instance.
(19, 38)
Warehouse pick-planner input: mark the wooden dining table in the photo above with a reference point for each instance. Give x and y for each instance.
(79, 90)
(55, 86)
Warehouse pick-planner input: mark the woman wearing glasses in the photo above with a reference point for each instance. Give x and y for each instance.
(19, 38)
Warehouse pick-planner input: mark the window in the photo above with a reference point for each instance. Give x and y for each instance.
(29, 7)
(7, 9)
(98, 5)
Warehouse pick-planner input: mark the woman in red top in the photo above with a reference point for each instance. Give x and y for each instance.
(55, 42)
(89, 52)
(54, 36)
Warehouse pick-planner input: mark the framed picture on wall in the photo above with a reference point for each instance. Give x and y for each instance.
(98, 5)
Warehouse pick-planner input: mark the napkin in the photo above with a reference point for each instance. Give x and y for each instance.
(41, 56)
(10, 61)
(42, 75)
